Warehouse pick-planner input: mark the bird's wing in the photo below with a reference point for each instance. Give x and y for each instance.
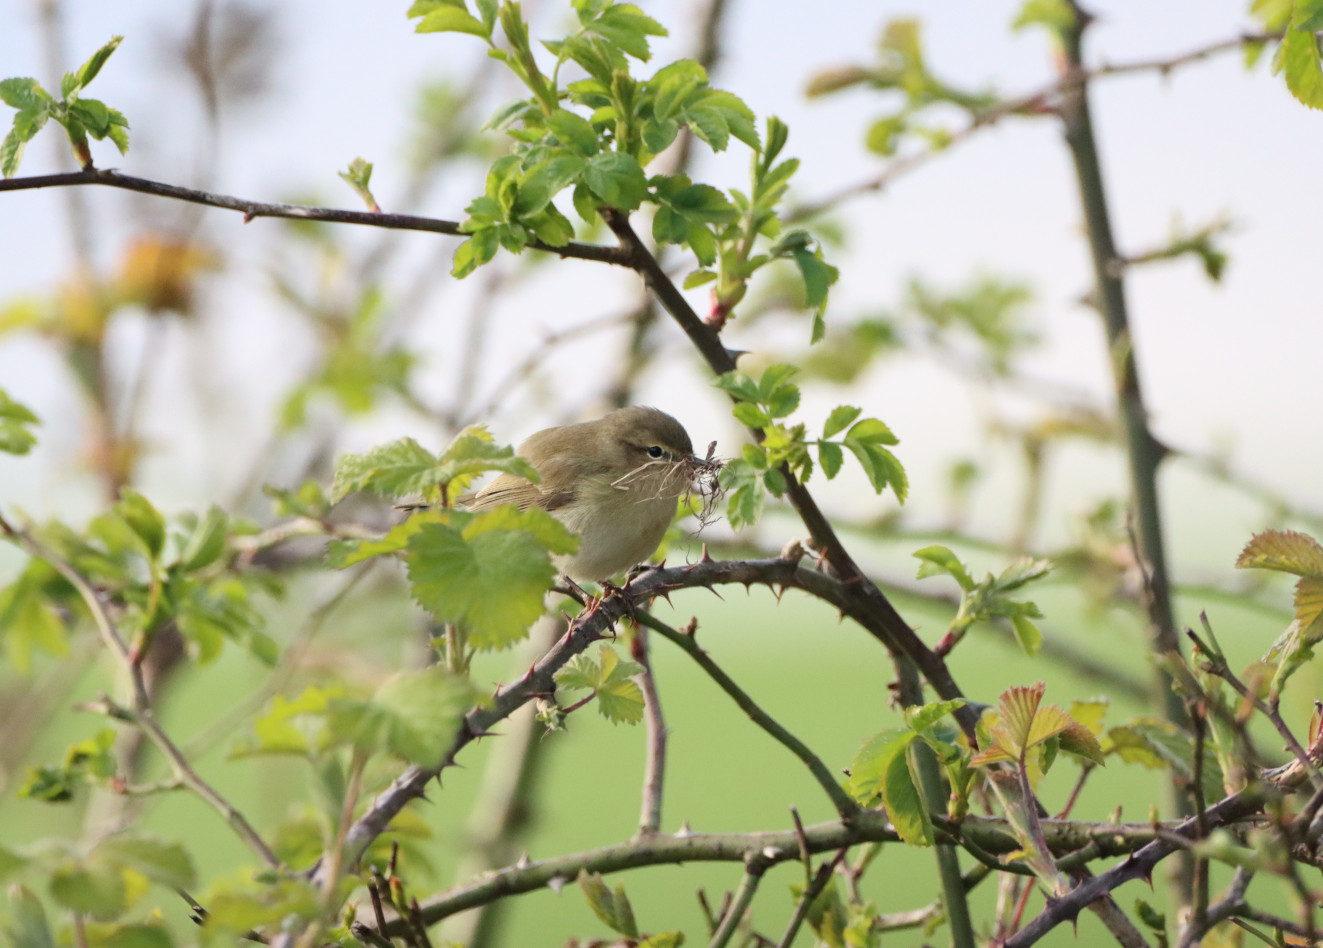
(512, 489)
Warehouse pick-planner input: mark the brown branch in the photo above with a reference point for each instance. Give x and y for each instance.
(255, 209)
(866, 603)
(654, 769)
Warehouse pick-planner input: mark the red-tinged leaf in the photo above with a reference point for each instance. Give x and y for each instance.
(1285, 551)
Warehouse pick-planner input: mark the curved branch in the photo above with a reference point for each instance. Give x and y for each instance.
(842, 801)
(254, 209)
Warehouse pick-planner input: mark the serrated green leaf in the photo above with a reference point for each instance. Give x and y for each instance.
(617, 179)
(882, 468)
(831, 457)
(869, 768)
(88, 71)
(544, 181)
(936, 560)
(582, 671)
(840, 418)
(1299, 62)
(745, 493)
(738, 384)
(392, 470)
(490, 580)
(1286, 551)
(871, 431)
(450, 19)
(905, 804)
(416, 715)
(628, 27)
(750, 415)
(574, 132)
(24, 94)
(698, 278)
(922, 717)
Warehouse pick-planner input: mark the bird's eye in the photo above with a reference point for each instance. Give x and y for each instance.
(656, 452)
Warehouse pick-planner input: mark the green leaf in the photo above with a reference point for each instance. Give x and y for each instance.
(143, 519)
(627, 27)
(871, 431)
(612, 908)
(830, 457)
(574, 132)
(15, 419)
(868, 770)
(203, 541)
(545, 181)
(1307, 15)
(617, 179)
(1299, 62)
(24, 94)
(745, 493)
(1055, 15)
(294, 726)
(450, 19)
(738, 384)
(937, 560)
(483, 571)
(391, 470)
(25, 926)
(472, 453)
(698, 278)
(922, 717)
(818, 277)
(88, 71)
(619, 698)
(161, 861)
(750, 415)
(1286, 551)
(414, 715)
(1027, 634)
(881, 466)
(94, 889)
(839, 419)
(905, 804)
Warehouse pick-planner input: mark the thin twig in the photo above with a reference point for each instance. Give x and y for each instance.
(654, 768)
(255, 209)
(139, 713)
(842, 801)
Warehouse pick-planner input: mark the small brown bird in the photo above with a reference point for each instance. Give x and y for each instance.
(615, 482)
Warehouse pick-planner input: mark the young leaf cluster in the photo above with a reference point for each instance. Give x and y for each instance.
(413, 716)
(610, 680)
(612, 906)
(82, 118)
(988, 600)
(160, 576)
(883, 769)
(101, 881)
(1299, 554)
(762, 405)
(404, 468)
